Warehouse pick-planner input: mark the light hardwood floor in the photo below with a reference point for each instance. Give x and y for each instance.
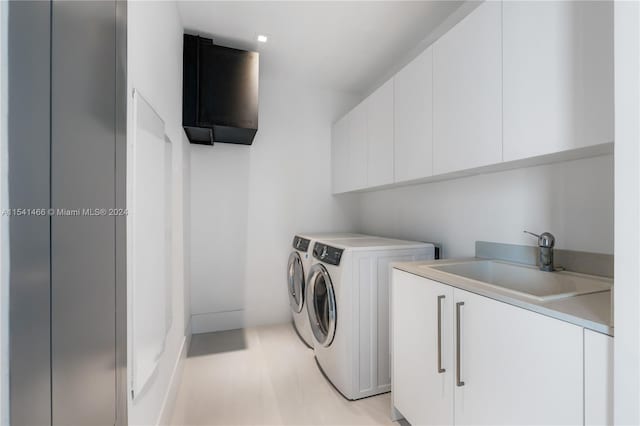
(264, 376)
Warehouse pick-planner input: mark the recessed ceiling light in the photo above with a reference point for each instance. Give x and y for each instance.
(262, 38)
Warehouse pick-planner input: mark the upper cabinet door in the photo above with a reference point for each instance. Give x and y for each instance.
(380, 136)
(467, 89)
(413, 114)
(558, 76)
(340, 155)
(357, 144)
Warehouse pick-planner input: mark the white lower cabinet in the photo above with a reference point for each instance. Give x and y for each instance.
(518, 367)
(598, 378)
(503, 365)
(422, 386)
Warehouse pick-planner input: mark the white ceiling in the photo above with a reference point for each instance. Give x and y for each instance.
(344, 45)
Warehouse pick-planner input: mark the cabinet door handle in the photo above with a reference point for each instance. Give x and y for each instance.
(458, 381)
(440, 369)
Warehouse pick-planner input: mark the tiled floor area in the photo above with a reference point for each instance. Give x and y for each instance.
(264, 376)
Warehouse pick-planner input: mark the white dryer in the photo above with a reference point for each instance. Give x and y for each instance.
(348, 306)
(297, 268)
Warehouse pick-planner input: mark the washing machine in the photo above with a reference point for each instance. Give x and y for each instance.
(348, 307)
(297, 267)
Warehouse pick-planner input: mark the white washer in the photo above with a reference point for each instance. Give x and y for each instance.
(297, 268)
(348, 306)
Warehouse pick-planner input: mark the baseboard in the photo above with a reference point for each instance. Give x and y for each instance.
(169, 402)
(217, 321)
(187, 328)
(396, 415)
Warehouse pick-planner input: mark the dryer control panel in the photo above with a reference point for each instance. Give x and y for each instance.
(327, 254)
(301, 244)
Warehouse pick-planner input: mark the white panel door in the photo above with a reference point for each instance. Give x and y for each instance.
(598, 378)
(558, 76)
(518, 367)
(467, 87)
(340, 155)
(357, 143)
(380, 136)
(413, 115)
(422, 389)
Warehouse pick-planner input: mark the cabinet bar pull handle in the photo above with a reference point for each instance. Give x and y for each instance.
(440, 369)
(458, 381)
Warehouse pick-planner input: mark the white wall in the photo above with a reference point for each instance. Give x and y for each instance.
(627, 216)
(155, 69)
(247, 203)
(572, 200)
(186, 231)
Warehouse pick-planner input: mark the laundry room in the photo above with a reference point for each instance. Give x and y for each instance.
(320, 212)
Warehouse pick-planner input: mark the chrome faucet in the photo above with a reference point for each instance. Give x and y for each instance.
(546, 241)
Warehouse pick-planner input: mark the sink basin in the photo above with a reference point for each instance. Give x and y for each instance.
(525, 280)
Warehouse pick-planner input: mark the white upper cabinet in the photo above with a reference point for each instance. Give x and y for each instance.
(413, 116)
(467, 87)
(513, 80)
(357, 147)
(349, 151)
(379, 108)
(558, 76)
(340, 155)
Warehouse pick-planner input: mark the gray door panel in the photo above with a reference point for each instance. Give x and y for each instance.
(29, 143)
(83, 247)
(121, 220)
(67, 150)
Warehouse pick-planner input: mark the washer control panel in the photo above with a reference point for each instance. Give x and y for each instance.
(301, 244)
(327, 254)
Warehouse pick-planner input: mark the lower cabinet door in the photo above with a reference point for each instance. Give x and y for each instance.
(515, 366)
(598, 379)
(422, 385)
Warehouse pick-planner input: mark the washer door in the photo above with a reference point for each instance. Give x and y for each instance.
(295, 282)
(321, 305)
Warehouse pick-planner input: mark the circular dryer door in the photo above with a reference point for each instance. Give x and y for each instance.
(321, 305)
(295, 282)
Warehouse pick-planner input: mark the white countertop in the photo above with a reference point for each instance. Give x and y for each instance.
(591, 311)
